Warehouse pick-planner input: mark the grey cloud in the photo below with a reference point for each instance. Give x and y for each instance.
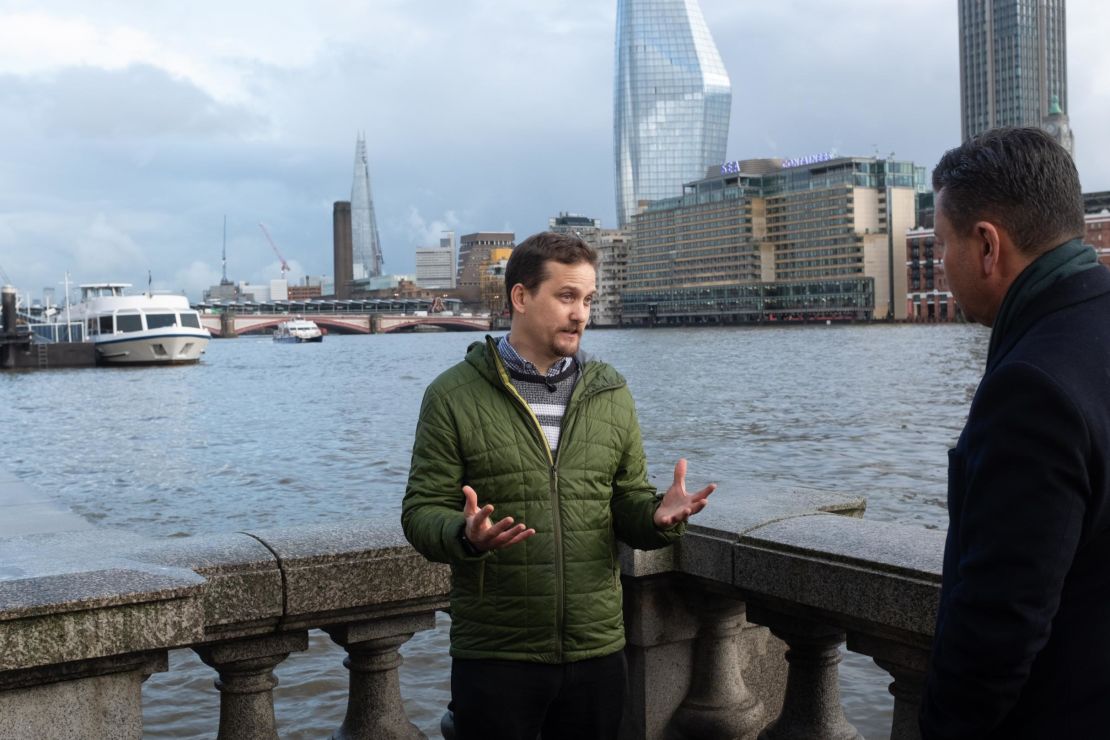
(136, 102)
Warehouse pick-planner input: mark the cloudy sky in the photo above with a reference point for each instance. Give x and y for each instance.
(129, 130)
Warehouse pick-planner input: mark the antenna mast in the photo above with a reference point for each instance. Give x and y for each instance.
(224, 280)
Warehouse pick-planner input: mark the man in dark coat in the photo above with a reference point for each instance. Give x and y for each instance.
(1022, 644)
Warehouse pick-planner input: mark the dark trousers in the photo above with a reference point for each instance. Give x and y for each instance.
(514, 700)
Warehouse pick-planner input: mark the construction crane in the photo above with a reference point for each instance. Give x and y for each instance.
(284, 264)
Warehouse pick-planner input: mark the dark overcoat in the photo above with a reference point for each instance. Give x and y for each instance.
(1022, 646)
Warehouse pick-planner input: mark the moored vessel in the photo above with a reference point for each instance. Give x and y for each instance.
(150, 328)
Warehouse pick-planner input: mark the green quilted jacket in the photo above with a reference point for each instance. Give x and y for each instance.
(555, 597)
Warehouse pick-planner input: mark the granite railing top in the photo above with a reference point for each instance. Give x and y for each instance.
(792, 546)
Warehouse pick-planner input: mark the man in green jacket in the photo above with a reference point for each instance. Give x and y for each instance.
(532, 428)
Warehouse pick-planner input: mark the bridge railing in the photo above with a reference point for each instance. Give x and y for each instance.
(734, 632)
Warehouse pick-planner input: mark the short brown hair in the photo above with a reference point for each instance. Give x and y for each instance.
(528, 262)
(1018, 177)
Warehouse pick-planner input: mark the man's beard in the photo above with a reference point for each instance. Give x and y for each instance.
(558, 345)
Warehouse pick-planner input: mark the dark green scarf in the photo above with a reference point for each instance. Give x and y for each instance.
(1052, 266)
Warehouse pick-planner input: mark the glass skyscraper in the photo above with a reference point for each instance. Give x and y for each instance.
(1013, 60)
(367, 262)
(671, 103)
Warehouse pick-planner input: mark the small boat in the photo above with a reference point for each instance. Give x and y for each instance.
(147, 329)
(298, 330)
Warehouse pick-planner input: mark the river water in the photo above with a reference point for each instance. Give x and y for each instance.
(264, 435)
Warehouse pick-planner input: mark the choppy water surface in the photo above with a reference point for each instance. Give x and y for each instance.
(263, 435)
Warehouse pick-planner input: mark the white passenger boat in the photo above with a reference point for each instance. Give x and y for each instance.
(298, 330)
(151, 328)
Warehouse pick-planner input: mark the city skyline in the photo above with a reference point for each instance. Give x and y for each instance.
(132, 131)
(671, 101)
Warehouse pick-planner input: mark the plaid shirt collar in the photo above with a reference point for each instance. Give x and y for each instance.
(513, 360)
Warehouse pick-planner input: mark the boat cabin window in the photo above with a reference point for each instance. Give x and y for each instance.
(129, 322)
(160, 320)
(190, 320)
(106, 325)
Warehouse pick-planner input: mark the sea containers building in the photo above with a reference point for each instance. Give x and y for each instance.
(774, 240)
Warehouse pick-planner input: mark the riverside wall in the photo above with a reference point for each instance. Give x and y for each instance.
(734, 633)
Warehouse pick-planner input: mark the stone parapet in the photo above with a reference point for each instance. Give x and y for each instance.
(733, 633)
(92, 613)
(809, 568)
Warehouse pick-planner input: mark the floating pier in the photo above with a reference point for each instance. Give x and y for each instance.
(20, 351)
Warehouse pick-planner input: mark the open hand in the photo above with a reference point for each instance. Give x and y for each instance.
(678, 506)
(483, 534)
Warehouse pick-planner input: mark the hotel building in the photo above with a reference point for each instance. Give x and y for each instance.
(774, 240)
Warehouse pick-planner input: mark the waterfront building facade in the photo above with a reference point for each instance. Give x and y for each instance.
(774, 240)
(928, 297)
(1098, 234)
(474, 253)
(612, 264)
(1097, 201)
(671, 101)
(1013, 60)
(366, 245)
(612, 273)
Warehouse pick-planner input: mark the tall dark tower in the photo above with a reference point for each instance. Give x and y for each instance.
(342, 250)
(1013, 59)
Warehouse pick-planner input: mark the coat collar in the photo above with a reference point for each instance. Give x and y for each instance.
(1070, 291)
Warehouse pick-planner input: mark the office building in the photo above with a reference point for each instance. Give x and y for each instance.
(574, 223)
(435, 267)
(1013, 60)
(775, 240)
(612, 264)
(474, 254)
(612, 273)
(672, 98)
(367, 248)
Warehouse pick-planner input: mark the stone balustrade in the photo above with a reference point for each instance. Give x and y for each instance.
(735, 633)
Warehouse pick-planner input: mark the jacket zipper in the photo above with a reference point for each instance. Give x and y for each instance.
(553, 488)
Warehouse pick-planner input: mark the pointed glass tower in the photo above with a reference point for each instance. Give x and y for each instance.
(367, 248)
(671, 101)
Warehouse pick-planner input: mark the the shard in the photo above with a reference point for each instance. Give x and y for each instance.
(367, 247)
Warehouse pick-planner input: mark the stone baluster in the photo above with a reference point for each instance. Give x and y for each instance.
(906, 664)
(374, 706)
(907, 688)
(718, 704)
(246, 682)
(811, 708)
